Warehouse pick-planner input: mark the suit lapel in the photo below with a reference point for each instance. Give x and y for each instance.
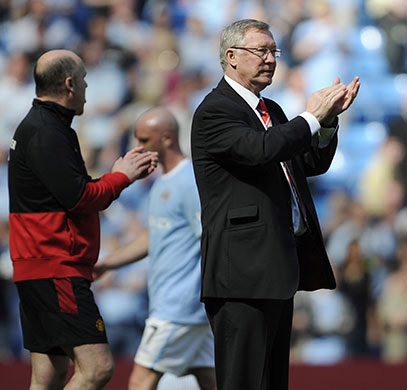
(225, 89)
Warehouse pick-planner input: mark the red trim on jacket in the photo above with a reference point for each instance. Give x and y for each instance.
(63, 244)
(99, 194)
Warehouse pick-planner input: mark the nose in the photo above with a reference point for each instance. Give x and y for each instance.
(270, 57)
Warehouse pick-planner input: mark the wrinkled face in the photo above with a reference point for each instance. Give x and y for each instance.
(80, 86)
(254, 71)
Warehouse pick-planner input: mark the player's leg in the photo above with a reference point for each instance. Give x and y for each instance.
(48, 371)
(93, 366)
(143, 378)
(205, 377)
(60, 317)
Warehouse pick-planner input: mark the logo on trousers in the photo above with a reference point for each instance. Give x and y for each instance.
(100, 326)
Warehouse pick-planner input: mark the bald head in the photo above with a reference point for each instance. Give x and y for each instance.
(159, 119)
(52, 69)
(157, 131)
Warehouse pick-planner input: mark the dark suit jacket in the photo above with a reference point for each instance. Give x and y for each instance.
(248, 245)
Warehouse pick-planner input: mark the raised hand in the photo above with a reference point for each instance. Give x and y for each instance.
(344, 103)
(327, 103)
(351, 92)
(322, 102)
(136, 164)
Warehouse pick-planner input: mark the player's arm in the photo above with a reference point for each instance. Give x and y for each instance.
(130, 253)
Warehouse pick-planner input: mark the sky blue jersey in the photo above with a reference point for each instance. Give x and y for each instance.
(174, 279)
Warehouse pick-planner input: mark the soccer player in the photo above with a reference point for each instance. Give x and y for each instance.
(177, 338)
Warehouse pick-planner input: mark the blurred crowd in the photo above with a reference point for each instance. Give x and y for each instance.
(140, 53)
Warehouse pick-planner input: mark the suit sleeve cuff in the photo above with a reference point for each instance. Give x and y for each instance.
(327, 133)
(312, 122)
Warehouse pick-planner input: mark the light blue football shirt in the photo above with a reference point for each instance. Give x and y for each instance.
(174, 279)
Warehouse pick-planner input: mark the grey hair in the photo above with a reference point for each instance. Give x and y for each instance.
(234, 34)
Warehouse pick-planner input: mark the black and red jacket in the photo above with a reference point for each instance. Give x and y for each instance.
(54, 203)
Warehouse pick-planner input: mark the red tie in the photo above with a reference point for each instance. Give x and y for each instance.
(261, 107)
(264, 113)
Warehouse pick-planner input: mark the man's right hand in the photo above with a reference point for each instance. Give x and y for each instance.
(329, 102)
(321, 102)
(136, 164)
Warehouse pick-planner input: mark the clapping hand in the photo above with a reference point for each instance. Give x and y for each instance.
(327, 103)
(136, 163)
(344, 103)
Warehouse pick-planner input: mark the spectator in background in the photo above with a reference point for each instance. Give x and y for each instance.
(380, 173)
(319, 44)
(54, 229)
(397, 129)
(331, 320)
(16, 92)
(35, 28)
(177, 338)
(391, 16)
(338, 211)
(354, 283)
(160, 56)
(346, 231)
(96, 126)
(125, 29)
(392, 308)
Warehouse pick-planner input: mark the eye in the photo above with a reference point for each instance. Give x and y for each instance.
(262, 51)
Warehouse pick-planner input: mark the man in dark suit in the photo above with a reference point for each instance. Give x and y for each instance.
(261, 240)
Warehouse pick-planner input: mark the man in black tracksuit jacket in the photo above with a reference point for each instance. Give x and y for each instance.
(54, 228)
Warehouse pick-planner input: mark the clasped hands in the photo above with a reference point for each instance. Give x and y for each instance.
(136, 163)
(327, 103)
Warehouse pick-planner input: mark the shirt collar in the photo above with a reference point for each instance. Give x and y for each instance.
(248, 96)
(174, 170)
(64, 113)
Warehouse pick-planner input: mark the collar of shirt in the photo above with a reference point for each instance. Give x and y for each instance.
(249, 97)
(65, 114)
(174, 170)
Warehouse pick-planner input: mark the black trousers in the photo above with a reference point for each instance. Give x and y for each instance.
(252, 342)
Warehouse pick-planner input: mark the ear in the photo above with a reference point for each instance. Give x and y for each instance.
(69, 84)
(230, 55)
(166, 139)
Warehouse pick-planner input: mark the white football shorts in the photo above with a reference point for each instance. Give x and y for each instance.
(174, 348)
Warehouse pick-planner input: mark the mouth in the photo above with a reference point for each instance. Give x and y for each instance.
(268, 71)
